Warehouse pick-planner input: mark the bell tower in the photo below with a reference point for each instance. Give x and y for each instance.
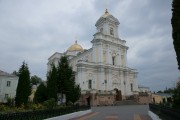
(108, 25)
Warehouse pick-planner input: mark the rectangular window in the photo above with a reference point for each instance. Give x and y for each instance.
(6, 96)
(8, 83)
(131, 87)
(90, 84)
(105, 81)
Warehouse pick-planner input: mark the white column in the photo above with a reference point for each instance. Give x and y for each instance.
(121, 76)
(119, 58)
(135, 82)
(106, 29)
(125, 83)
(94, 53)
(100, 78)
(79, 76)
(109, 81)
(100, 53)
(116, 32)
(127, 86)
(108, 57)
(125, 57)
(83, 78)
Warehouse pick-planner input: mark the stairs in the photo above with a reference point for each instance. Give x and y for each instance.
(126, 102)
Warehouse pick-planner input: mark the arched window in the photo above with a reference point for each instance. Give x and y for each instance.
(111, 31)
(90, 84)
(131, 87)
(113, 60)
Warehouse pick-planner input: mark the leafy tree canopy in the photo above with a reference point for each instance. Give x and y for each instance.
(66, 81)
(35, 80)
(176, 97)
(169, 90)
(40, 94)
(52, 83)
(176, 28)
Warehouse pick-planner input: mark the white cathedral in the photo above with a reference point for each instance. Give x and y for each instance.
(102, 71)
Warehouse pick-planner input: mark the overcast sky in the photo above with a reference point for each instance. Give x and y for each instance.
(32, 30)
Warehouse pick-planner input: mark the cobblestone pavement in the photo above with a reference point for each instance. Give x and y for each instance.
(124, 112)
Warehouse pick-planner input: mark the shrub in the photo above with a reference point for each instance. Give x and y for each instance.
(3, 108)
(51, 103)
(35, 106)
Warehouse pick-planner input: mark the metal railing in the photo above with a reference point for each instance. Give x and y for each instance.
(166, 113)
(42, 114)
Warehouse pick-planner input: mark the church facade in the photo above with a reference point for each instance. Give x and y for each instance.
(102, 71)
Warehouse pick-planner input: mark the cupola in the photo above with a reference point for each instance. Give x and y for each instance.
(75, 47)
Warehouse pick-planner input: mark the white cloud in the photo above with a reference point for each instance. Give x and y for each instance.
(34, 30)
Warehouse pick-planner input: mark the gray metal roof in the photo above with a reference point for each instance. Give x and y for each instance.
(2, 73)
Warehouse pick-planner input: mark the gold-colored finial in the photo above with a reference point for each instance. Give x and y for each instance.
(106, 12)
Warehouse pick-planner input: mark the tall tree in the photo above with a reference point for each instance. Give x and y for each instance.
(24, 87)
(66, 79)
(41, 94)
(35, 80)
(176, 96)
(176, 28)
(52, 83)
(75, 91)
(74, 95)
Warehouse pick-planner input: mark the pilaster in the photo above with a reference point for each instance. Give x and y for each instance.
(109, 81)
(94, 53)
(108, 57)
(125, 57)
(100, 78)
(100, 53)
(119, 57)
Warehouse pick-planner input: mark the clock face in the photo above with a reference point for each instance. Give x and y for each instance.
(111, 31)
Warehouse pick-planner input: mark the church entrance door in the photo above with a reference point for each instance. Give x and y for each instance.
(88, 101)
(118, 94)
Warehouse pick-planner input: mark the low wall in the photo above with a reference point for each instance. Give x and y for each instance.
(165, 112)
(71, 115)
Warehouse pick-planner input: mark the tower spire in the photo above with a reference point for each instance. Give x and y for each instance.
(106, 12)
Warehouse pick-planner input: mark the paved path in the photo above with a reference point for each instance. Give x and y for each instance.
(124, 112)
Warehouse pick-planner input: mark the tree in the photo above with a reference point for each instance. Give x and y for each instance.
(52, 83)
(66, 80)
(14, 72)
(75, 94)
(35, 80)
(176, 97)
(41, 94)
(169, 90)
(160, 91)
(176, 28)
(24, 87)
(75, 91)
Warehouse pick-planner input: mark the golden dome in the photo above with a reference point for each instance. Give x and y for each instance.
(75, 47)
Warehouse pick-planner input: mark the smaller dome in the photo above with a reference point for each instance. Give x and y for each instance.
(75, 47)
